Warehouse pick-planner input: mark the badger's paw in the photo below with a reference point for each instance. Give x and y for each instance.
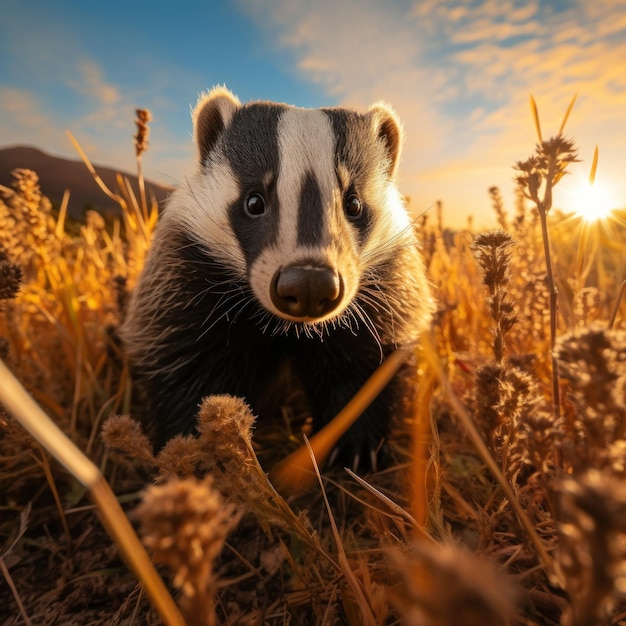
(359, 451)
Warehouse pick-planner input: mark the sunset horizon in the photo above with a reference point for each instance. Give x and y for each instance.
(459, 76)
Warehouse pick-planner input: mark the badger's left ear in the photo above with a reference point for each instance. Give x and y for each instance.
(212, 114)
(388, 128)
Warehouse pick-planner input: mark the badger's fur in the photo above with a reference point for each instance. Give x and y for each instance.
(289, 242)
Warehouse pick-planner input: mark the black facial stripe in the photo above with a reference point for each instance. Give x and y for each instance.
(250, 142)
(250, 145)
(339, 122)
(356, 151)
(310, 213)
(364, 224)
(356, 147)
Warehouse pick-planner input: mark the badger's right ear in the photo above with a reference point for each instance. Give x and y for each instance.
(213, 113)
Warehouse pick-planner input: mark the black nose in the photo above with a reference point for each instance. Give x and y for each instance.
(306, 291)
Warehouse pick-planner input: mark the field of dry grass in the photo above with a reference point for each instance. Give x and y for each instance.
(504, 503)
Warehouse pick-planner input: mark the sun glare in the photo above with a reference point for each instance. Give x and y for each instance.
(593, 202)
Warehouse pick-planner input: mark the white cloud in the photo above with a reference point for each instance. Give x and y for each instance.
(345, 47)
(23, 119)
(62, 85)
(460, 75)
(90, 82)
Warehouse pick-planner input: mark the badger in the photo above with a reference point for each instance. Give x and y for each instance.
(290, 243)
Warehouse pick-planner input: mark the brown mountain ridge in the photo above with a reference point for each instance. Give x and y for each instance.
(56, 174)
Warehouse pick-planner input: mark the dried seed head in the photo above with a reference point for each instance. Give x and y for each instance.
(10, 276)
(227, 421)
(179, 458)
(225, 441)
(487, 397)
(26, 183)
(143, 130)
(446, 585)
(538, 438)
(530, 429)
(592, 551)
(593, 361)
(25, 222)
(544, 169)
(560, 149)
(514, 418)
(185, 524)
(492, 251)
(122, 433)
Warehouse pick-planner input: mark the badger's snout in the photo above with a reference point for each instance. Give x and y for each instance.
(306, 291)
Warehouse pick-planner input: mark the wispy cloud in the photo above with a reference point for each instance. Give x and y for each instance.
(90, 82)
(47, 57)
(21, 114)
(460, 75)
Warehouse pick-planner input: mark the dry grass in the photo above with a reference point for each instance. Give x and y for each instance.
(505, 503)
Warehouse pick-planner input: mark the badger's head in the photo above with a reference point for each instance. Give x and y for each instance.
(300, 203)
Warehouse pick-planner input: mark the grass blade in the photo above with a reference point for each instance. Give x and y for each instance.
(535, 112)
(294, 474)
(569, 110)
(17, 400)
(594, 167)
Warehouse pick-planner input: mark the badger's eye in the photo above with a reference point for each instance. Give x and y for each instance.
(254, 205)
(354, 208)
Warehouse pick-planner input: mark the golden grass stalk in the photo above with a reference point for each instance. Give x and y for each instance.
(533, 108)
(139, 219)
(294, 474)
(420, 438)
(141, 145)
(482, 450)
(366, 610)
(396, 508)
(585, 261)
(92, 171)
(9, 580)
(556, 398)
(539, 174)
(618, 302)
(59, 228)
(7, 549)
(566, 116)
(17, 400)
(594, 167)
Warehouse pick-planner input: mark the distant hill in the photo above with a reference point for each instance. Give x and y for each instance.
(57, 174)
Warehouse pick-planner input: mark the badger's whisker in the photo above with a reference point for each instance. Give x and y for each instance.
(369, 324)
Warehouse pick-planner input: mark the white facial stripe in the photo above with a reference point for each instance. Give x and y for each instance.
(391, 224)
(306, 144)
(201, 206)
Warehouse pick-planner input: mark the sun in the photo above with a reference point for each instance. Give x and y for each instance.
(593, 202)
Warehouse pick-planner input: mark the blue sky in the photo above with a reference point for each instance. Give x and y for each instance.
(459, 74)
